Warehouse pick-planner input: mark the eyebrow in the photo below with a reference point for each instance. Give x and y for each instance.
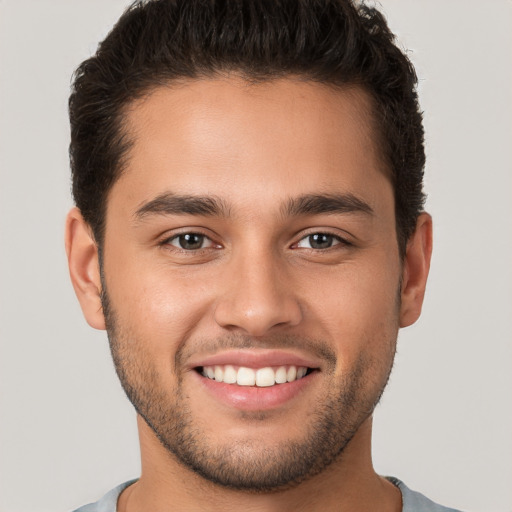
(212, 206)
(174, 204)
(316, 204)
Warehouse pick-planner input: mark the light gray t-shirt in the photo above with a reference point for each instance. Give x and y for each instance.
(412, 501)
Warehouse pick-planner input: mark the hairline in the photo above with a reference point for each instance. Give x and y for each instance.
(126, 133)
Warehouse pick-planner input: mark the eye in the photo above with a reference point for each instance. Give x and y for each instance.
(190, 241)
(319, 241)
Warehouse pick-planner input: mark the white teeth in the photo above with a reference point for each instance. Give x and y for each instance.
(291, 374)
(261, 377)
(246, 377)
(301, 372)
(281, 375)
(230, 374)
(265, 377)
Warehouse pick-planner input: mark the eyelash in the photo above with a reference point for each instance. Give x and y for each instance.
(168, 241)
(335, 238)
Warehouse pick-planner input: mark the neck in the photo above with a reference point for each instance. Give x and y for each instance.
(349, 484)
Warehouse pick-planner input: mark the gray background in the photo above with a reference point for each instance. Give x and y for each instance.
(67, 433)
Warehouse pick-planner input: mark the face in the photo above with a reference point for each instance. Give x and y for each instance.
(251, 276)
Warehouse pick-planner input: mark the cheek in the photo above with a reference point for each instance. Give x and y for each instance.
(357, 306)
(156, 306)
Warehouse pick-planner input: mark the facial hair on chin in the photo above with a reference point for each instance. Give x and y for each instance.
(248, 464)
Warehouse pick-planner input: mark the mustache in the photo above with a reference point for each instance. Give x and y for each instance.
(238, 341)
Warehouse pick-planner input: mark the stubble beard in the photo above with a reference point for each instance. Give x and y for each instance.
(247, 465)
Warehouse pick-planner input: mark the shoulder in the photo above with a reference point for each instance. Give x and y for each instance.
(413, 501)
(108, 503)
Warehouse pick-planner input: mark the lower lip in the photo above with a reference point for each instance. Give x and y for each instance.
(253, 398)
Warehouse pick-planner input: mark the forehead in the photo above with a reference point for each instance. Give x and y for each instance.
(228, 136)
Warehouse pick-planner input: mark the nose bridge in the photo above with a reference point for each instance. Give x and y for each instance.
(257, 295)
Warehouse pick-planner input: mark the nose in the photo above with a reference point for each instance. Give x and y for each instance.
(258, 297)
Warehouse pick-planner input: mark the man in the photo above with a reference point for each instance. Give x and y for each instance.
(250, 232)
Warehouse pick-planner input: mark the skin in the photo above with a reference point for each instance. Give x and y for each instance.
(258, 282)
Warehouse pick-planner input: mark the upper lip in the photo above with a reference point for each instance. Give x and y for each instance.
(255, 358)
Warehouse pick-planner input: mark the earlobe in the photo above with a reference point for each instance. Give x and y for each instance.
(415, 270)
(84, 268)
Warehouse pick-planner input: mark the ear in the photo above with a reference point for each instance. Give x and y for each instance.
(415, 270)
(84, 267)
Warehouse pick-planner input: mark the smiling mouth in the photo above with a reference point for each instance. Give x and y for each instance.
(259, 377)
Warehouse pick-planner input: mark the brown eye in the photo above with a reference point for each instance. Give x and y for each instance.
(190, 241)
(319, 241)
